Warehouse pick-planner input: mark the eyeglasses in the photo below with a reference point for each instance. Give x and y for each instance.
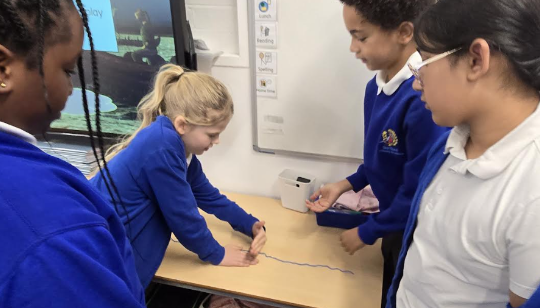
(416, 69)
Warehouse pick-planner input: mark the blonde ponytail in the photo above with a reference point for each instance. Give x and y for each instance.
(192, 95)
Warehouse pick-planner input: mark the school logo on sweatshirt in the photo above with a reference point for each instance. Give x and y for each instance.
(389, 137)
(390, 141)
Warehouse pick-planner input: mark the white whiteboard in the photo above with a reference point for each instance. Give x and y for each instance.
(320, 85)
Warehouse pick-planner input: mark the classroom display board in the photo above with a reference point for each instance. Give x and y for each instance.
(307, 87)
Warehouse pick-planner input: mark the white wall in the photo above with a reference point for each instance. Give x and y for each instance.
(233, 165)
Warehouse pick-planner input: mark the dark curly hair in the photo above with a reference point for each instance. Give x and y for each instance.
(389, 14)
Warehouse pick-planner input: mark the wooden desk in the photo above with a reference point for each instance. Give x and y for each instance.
(291, 236)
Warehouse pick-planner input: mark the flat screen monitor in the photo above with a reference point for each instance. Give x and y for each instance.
(132, 40)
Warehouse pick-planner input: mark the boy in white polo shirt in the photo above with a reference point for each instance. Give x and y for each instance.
(473, 235)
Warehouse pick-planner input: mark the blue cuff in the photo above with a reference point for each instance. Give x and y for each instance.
(356, 182)
(367, 233)
(217, 256)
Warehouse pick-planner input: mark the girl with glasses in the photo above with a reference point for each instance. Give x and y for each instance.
(472, 235)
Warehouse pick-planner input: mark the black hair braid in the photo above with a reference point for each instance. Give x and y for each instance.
(40, 51)
(80, 68)
(95, 80)
(20, 29)
(13, 19)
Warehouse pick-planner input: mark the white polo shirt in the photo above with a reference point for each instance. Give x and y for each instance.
(478, 232)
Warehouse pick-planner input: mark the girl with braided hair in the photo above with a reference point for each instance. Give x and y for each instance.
(62, 244)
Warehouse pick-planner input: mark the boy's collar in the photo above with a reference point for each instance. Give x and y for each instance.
(390, 87)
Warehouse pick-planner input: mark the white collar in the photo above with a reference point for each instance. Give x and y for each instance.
(499, 155)
(188, 159)
(17, 132)
(404, 74)
(457, 140)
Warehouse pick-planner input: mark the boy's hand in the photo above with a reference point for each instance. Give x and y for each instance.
(328, 196)
(259, 238)
(351, 241)
(234, 256)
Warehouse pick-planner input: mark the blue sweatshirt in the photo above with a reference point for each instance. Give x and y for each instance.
(533, 302)
(399, 132)
(62, 245)
(162, 194)
(435, 161)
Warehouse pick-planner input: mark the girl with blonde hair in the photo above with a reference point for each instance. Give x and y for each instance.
(161, 181)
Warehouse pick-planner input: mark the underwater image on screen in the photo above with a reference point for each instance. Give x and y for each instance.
(132, 39)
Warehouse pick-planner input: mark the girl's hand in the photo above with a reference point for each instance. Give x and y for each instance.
(235, 257)
(259, 238)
